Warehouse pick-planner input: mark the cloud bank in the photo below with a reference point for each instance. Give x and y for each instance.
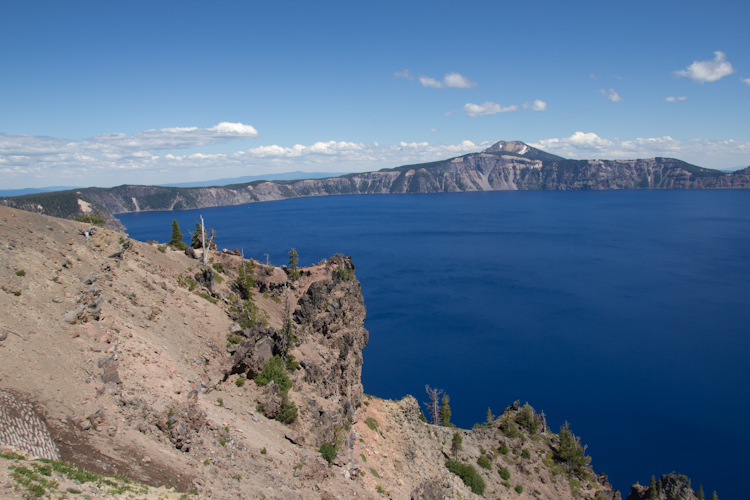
(708, 71)
(150, 157)
(703, 152)
(111, 159)
(673, 98)
(487, 108)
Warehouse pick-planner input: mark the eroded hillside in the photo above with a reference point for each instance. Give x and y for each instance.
(231, 380)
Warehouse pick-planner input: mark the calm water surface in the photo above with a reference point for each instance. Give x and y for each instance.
(623, 312)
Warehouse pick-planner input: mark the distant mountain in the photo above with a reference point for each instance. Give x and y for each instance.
(286, 176)
(503, 166)
(21, 192)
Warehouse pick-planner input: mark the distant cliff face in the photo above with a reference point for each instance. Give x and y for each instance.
(503, 166)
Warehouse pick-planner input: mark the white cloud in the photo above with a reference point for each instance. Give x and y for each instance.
(35, 161)
(708, 71)
(745, 80)
(611, 95)
(487, 108)
(434, 130)
(452, 80)
(537, 105)
(405, 74)
(673, 98)
(704, 152)
(458, 81)
(110, 159)
(595, 77)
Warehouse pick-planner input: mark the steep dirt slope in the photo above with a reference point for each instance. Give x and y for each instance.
(131, 358)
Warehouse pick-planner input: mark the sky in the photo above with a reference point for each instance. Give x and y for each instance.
(96, 93)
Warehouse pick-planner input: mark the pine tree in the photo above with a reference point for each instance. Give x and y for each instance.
(176, 240)
(197, 236)
(445, 412)
(570, 450)
(714, 496)
(490, 416)
(293, 261)
(422, 417)
(652, 488)
(699, 493)
(456, 445)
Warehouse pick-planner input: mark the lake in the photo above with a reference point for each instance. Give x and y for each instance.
(623, 312)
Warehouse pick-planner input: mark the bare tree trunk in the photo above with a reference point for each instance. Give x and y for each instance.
(205, 250)
(433, 405)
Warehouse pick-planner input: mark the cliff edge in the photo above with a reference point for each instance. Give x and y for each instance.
(132, 370)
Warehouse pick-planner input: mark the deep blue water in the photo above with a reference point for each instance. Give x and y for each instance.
(623, 312)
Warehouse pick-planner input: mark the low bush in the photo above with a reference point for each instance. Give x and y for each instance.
(93, 219)
(328, 452)
(371, 423)
(468, 475)
(484, 462)
(288, 412)
(504, 473)
(274, 369)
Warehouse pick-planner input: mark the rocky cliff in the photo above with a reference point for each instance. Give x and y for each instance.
(503, 166)
(132, 370)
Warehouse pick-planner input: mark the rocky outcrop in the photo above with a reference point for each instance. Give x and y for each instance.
(668, 487)
(332, 313)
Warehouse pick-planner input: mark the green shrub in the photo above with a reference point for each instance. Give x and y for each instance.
(374, 473)
(208, 298)
(218, 267)
(503, 448)
(288, 412)
(20, 272)
(93, 219)
(187, 282)
(161, 248)
(372, 423)
(345, 274)
(328, 452)
(527, 419)
(484, 462)
(364, 458)
(468, 475)
(240, 381)
(519, 489)
(220, 401)
(263, 451)
(504, 473)
(274, 369)
(234, 338)
(525, 454)
(509, 428)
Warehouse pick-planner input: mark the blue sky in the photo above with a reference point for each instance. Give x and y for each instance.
(105, 93)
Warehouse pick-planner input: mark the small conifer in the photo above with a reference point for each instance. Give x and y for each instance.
(176, 240)
(456, 445)
(445, 412)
